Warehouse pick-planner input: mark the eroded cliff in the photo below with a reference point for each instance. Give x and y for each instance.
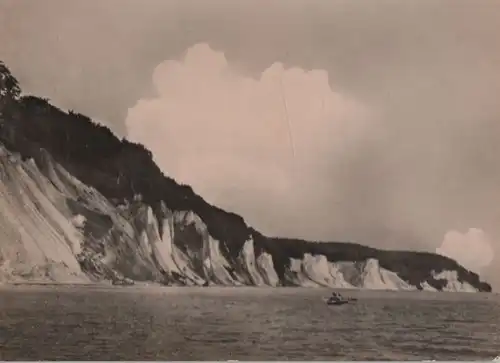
(80, 205)
(57, 229)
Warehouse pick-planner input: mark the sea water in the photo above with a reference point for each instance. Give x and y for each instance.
(166, 323)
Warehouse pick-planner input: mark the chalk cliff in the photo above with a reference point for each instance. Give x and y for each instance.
(78, 204)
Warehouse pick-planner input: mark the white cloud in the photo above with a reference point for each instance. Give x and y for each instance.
(473, 249)
(256, 146)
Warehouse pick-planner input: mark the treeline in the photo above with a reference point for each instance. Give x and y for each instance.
(413, 267)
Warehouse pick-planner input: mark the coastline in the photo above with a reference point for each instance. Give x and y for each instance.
(157, 286)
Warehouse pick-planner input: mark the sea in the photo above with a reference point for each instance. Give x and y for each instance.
(239, 323)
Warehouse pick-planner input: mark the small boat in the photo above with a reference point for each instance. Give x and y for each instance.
(336, 302)
(337, 299)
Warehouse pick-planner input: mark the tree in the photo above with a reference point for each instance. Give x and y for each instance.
(9, 90)
(9, 86)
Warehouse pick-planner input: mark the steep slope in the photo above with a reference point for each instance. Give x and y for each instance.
(38, 240)
(369, 275)
(101, 208)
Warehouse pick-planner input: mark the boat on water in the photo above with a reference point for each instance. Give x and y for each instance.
(337, 299)
(331, 301)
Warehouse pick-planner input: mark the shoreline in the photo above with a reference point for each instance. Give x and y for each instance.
(146, 285)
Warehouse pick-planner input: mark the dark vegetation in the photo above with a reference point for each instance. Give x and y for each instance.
(413, 267)
(120, 169)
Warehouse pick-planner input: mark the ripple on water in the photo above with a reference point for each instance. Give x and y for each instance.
(77, 323)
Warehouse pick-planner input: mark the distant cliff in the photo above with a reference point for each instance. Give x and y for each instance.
(77, 203)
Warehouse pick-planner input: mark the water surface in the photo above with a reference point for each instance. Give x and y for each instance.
(139, 323)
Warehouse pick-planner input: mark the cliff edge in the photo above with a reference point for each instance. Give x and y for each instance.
(78, 204)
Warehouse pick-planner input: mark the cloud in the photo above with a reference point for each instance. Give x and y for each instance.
(254, 145)
(472, 249)
(297, 157)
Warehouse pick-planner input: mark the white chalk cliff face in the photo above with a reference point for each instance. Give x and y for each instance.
(53, 228)
(38, 240)
(453, 284)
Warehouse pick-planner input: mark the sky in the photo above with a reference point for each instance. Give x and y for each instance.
(375, 122)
